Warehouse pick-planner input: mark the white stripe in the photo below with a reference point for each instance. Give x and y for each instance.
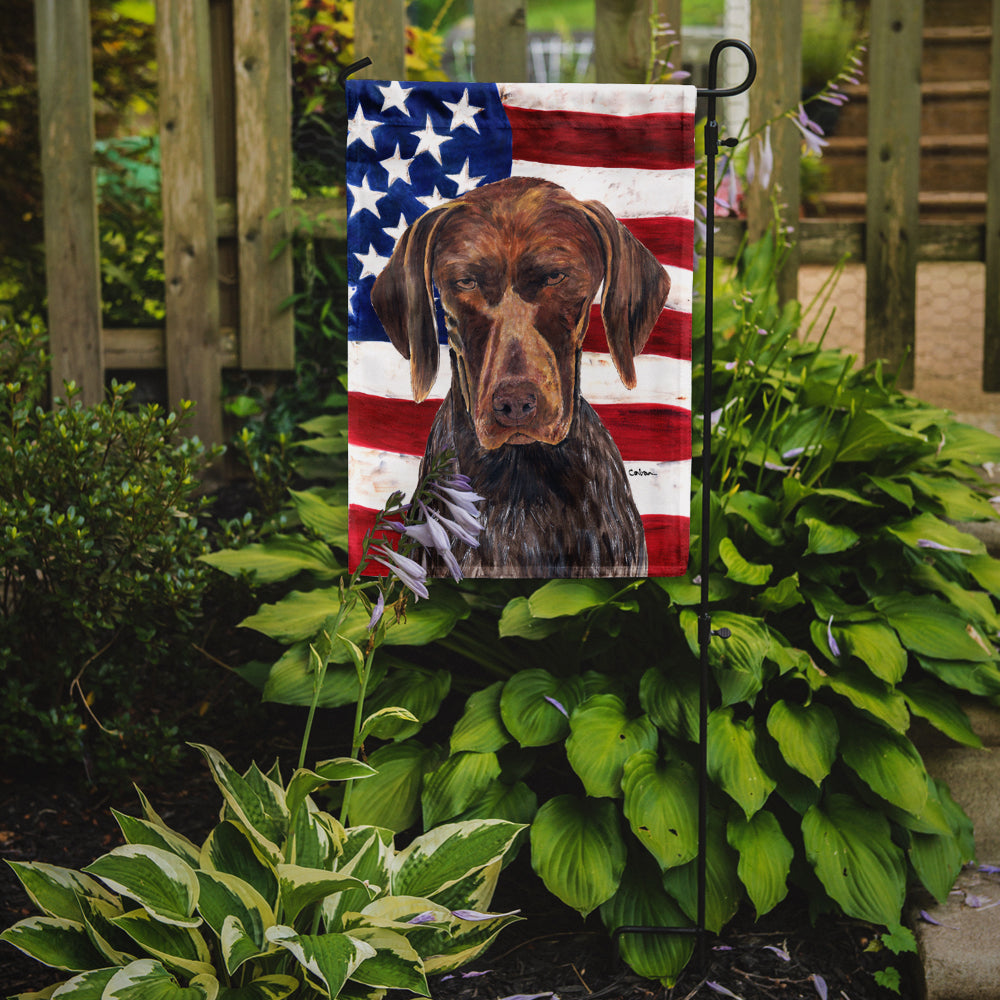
(681, 288)
(601, 99)
(629, 193)
(657, 487)
(376, 369)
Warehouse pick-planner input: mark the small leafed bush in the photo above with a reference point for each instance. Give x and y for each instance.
(99, 574)
(280, 899)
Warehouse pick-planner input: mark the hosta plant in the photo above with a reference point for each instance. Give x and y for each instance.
(279, 900)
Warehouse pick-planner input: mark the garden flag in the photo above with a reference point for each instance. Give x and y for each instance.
(520, 263)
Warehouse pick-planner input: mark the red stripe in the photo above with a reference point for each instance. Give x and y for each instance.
(644, 432)
(667, 538)
(669, 238)
(670, 338)
(583, 139)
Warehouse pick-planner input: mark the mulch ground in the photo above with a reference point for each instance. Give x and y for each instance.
(550, 953)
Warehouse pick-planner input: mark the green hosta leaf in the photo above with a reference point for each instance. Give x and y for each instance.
(602, 738)
(931, 628)
(159, 881)
(893, 488)
(418, 691)
(738, 661)
(661, 798)
(481, 728)
(54, 941)
(56, 891)
(275, 987)
(765, 858)
(986, 571)
(516, 803)
(391, 798)
(301, 887)
(807, 736)
(279, 558)
(941, 709)
(965, 443)
(937, 859)
(325, 519)
(870, 436)
(671, 700)
(230, 849)
(957, 501)
(866, 692)
(177, 947)
(751, 574)
(292, 681)
(876, 646)
(641, 901)
(559, 598)
(330, 959)
(928, 528)
(850, 847)
(758, 511)
(976, 605)
(732, 760)
(517, 620)
(304, 782)
(827, 539)
(395, 964)
(147, 979)
(141, 831)
(260, 809)
(530, 706)
(226, 898)
(456, 784)
(438, 859)
(888, 763)
(976, 678)
(387, 723)
(783, 595)
(578, 851)
(723, 889)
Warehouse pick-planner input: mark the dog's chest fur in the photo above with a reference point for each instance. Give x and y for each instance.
(561, 510)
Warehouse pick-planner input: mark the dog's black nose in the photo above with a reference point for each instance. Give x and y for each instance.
(515, 403)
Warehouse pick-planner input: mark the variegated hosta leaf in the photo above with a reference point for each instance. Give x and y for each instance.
(466, 941)
(230, 849)
(328, 959)
(141, 831)
(177, 947)
(578, 851)
(642, 902)
(367, 853)
(86, 986)
(807, 736)
(441, 857)
(602, 737)
(300, 887)
(475, 891)
(304, 782)
(56, 891)
(158, 880)
(54, 941)
(274, 987)
(256, 801)
(147, 979)
(481, 727)
(116, 946)
(395, 964)
(315, 838)
(765, 858)
(225, 897)
(732, 760)
(661, 799)
(456, 784)
(851, 849)
(535, 706)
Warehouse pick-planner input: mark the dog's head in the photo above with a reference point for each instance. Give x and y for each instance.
(518, 264)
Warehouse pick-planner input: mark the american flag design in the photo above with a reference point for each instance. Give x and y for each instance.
(414, 146)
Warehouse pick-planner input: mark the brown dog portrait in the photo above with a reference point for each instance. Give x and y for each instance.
(517, 265)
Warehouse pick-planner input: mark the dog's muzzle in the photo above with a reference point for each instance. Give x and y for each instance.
(515, 403)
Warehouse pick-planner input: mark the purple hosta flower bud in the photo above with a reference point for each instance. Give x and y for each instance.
(719, 988)
(410, 573)
(557, 704)
(780, 952)
(377, 611)
(811, 132)
(927, 543)
(427, 917)
(464, 513)
(834, 648)
(475, 915)
(820, 983)
(761, 164)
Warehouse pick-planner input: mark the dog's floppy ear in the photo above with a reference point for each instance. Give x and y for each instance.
(635, 289)
(403, 299)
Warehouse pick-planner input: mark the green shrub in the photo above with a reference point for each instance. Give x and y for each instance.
(99, 542)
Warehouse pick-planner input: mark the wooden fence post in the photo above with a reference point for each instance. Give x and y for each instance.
(501, 41)
(190, 251)
(262, 60)
(991, 333)
(72, 254)
(622, 40)
(893, 183)
(380, 34)
(776, 34)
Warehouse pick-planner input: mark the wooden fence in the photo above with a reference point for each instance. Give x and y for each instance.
(226, 160)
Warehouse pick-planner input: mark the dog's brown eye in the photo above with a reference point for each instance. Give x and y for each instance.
(466, 284)
(554, 277)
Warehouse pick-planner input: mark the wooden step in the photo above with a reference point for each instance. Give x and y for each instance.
(956, 53)
(957, 206)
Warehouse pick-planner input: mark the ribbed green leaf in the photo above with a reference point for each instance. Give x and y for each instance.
(661, 806)
(888, 763)
(601, 739)
(827, 539)
(330, 959)
(481, 727)
(807, 736)
(327, 520)
(738, 661)
(578, 851)
(279, 558)
(304, 782)
(560, 598)
(516, 803)
(783, 595)
(976, 678)
(54, 941)
(850, 848)
(456, 784)
(517, 620)
(732, 760)
(932, 628)
(876, 646)
(417, 690)
(864, 691)
(928, 528)
(936, 704)
(671, 699)
(391, 798)
(765, 858)
(535, 706)
(739, 569)
(147, 979)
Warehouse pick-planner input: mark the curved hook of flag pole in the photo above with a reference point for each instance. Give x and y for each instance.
(352, 68)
